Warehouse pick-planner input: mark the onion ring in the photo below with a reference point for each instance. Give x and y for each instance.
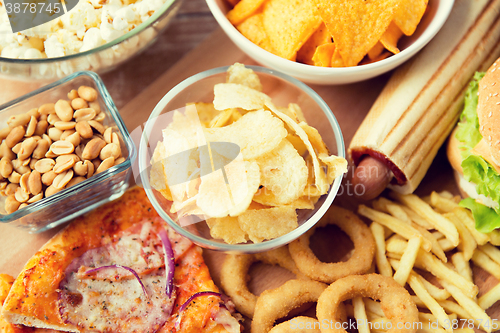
(277, 303)
(395, 301)
(360, 261)
(303, 325)
(234, 274)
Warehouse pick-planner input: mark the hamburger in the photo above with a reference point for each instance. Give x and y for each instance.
(474, 150)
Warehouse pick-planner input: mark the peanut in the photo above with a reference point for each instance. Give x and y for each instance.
(100, 117)
(64, 125)
(96, 162)
(48, 178)
(62, 179)
(66, 133)
(51, 190)
(44, 165)
(53, 118)
(111, 149)
(65, 162)
(46, 137)
(64, 110)
(87, 93)
(33, 162)
(84, 114)
(18, 120)
(75, 181)
(97, 126)
(83, 128)
(79, 103)
(11, 204)
(17, 148)
(106, 164)
(62, 147)
(36, 198)
(108, 135)
(96, 106)
(41, 149)
(41, 127)
(119, 160)
(93, 148)
(24, 182)
(31, 128)
(6, 167)
(15, 177)
(4, 132)
(54, 133)
(74, 138)
(6, 151)
(15, 135)
(115, 138)
(34, 113)
(21, 166)
(35, 182)
(73, 94)
(47, 109)
(11, 188)
(80, 168)
(90, 168)
(27, 148)
(21, 206)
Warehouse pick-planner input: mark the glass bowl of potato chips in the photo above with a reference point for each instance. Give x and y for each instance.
(241, 158)
(331, 42)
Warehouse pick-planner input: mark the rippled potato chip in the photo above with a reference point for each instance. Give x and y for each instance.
(233, 95)
(228, 229)
(206, 112)
(268, 223)
(267, 198)
(238, 73)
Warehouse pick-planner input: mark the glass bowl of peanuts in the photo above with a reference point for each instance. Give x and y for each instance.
(64, 150)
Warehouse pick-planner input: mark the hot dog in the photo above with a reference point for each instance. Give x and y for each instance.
(422, 101)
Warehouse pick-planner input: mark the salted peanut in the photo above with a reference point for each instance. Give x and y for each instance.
(21, 166)
(18, 120)
(21, 195)
(62, 179)
(45, 165)
(31, 127)
(6, 167)
(97, 126)
(79, 103)
(79, 151)
(32, 163)
(96, 106)
(108, 135)
(115, 139)
(15, 177)
(73, 94)
(67, 133)
(43, 117)
(27, 148)
(62, 147)
(41, 149)
(106, 164)
(53, 118)
(64, 110)
(83, 128)
(50, 154)
(65, 162)
(41, 127)
(35, 198)
(25, 162)
(64, 125)
(100, 117)
(110, 150)
(48, 178)
(17, 148)
(21, 206)
(6, 151)
(80, 168)
(87, 93)
(11, 188)
(54, 133)
(51, 190)
(90, 168)
(84, 114)
(4, 132)
(74, 138)
(47, 109)
(11, 204)
(15, 135)
(34, 112)
(35, 182)
(47, 138)
(96, 162)
(93, 148)
(120, 160)
(3, 186)
(24, 182)
(75, 181)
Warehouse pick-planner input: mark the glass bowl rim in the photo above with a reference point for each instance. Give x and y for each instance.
(166, 7)
(115, 115)
(252, 247)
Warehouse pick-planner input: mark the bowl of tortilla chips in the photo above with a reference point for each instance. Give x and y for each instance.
(331, 42)
(241, 158)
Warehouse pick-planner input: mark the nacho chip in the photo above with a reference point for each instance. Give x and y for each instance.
(356, 25)
(228, 229)
(337, 60)
(253, 29)
(288, 24)
(323, 55)
(242, 10)
(283, 172)
(391, 37)
(319, 37)
(268, 223)
(233, 95)
(376, 51)
(409, 14)
(238, 73)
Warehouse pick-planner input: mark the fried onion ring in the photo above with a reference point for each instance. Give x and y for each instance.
(395, 301)
(361, 258)
(299, 324)
(234, 274)
(277, 303)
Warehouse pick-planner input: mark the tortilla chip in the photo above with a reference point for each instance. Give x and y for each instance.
(337, 59)
(409, 14)
(243, 10)
(323, 55)
(289, 24)
(319, 37)
(356, 25)
(391, 37)
(376, 51)
(253, 29)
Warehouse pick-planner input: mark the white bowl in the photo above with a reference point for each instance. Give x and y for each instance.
(431, 23)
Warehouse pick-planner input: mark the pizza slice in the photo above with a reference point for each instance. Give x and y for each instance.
(118, 269)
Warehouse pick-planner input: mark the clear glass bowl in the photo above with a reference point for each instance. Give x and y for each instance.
(283, 89)
(101, 59)
(87, 195)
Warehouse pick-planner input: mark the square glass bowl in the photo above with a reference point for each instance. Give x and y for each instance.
(87, 195)
(283, 89)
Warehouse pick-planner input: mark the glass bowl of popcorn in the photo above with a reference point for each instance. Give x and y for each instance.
(94, 35)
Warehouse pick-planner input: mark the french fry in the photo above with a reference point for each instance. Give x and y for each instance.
(394, 224)
(396, 245)
(489, 298)
(436, 248)
(417, 218)
(466, 217)
(482, 260)
(398, 212)
(431, 304)
(492, 252)
(495, 237)
(373, 306)
(445, 244)
(468, 243)
(437, 235)
(381, 261)
(461, 265)
(360, 314)
(407, 260)
(448, 306)
(468, 303)
(437, 293)
(445, 204)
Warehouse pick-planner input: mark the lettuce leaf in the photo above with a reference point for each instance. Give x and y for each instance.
(475, 168)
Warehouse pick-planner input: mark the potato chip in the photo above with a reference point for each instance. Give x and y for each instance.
(267, 198)
(227, 229)
(268, 223)
(221, 119)
(242, 10)
(288, 24)
(315, 139)
(243, 133)
(323, 55)
(319, 37)
(232, 95)
(242, 191)
(409, 14)
(206, 112)
(391, 37)
(337, 166)
(356, 25)
(253, 29)
(297, 143)
(297, 111)
(283, 172)
(238, 73)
